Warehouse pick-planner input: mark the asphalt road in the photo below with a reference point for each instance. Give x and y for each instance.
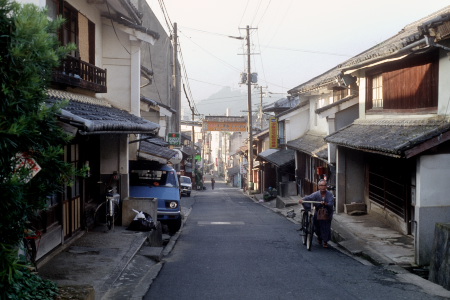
(233, 248)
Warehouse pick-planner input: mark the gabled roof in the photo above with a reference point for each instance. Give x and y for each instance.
(96, 116)
(407, 41)
(329, 77)
(312, 144)
(402, 138)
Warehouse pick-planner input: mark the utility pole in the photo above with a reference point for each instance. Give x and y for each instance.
(193, 149)
(260, 109)
(176, 87)
(249, 123)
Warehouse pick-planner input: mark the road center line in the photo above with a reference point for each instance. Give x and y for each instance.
(220, 223)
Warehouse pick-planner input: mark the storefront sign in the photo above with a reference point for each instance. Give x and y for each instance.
(273, 133)
(174, 138)
(225, 126)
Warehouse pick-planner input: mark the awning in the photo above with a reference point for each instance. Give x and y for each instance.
(96, 116)
(233, 171)
(393, 137)
(154, 151)
(187, 150)
(312, 144)
(279, 158)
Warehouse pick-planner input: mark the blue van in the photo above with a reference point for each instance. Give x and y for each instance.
(159, 181)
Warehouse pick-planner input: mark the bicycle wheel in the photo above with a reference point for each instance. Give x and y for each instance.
(111, 219)
(100, 214)
(304, 227)
(29, 247)
(310, 233)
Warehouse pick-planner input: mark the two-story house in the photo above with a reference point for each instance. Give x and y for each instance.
(395, 157)
(327, 103)
(100, 80)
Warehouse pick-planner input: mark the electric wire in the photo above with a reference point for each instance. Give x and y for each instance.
(114, 28)
(264, 13)
(245, 10)
(256, 13)
(154, 75)
(166, 16)
(206, 51)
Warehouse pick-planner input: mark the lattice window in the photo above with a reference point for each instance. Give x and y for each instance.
(377, 91)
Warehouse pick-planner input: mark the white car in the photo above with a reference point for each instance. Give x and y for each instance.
(186, 185)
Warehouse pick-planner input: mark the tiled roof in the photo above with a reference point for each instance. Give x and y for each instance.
(394, 137)
(153, 149)
(317, 82)
(312, 144)
(393, 46)
(279, 158)
(97, 116)
(281, 105)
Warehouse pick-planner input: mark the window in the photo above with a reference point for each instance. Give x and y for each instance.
(281, 133)
(321, 102)
(377, 91)
(70, 27)
(406, 86)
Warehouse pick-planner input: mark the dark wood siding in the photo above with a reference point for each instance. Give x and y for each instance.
(408, 85)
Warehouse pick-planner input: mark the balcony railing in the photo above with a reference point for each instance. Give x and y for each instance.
(77, 73)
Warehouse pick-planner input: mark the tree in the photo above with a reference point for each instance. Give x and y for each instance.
(29, 51)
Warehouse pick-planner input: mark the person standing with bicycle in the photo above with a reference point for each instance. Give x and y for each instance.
(324, 212)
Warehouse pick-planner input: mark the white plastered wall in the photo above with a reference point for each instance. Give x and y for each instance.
(432, 203)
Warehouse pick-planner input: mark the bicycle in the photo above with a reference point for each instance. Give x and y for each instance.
(29, 246)
(106, 213)
(307, 224)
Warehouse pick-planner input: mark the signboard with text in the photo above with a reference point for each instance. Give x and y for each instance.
(273, 133)
(225, 126)
(174, 138)
(225, 123)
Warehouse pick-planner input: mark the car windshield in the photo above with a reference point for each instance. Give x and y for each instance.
(184, 179)
(154, 178)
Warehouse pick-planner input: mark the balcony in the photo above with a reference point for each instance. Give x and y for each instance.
(77, 73)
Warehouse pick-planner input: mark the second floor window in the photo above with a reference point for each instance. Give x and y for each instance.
(281, 133)
(377, 91)
(406, 86)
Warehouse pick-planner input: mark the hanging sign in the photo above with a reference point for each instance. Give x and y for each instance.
(273, 133)
(24, 161)
(174, 138)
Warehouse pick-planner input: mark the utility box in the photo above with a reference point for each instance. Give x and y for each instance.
(147, 205)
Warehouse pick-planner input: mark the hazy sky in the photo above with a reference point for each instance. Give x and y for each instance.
(292, 41)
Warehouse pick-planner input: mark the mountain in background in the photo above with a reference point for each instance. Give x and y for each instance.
(234, 100)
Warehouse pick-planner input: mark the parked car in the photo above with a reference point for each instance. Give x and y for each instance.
(161, 182)
(186, 185)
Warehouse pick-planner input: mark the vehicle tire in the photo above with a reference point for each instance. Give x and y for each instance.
(189, 194)
(304, 227)
(310, 234)
(174, 226)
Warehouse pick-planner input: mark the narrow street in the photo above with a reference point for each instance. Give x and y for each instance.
(233, 248)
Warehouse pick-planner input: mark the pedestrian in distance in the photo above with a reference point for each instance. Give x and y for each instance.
(322, 224)
(212, 182)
